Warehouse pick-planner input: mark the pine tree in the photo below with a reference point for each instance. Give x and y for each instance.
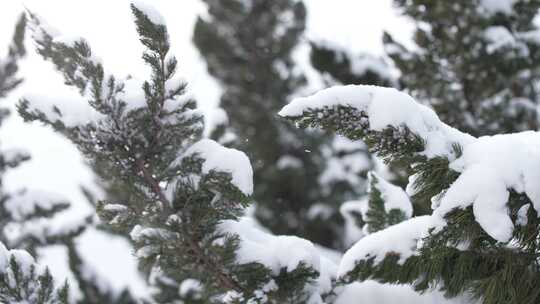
(248, 47)
(482, 238)
(181, 195)
(21, 279)
(26, 215)
(476, 62)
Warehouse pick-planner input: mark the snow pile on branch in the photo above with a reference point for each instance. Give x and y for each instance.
(401, 239)
(393, 196)
(371, 292)
(221, 159)
(489, 166)
(498, 6)
(498, 37)
(275, 252)
(350, 210)
(150, 12)
(385, 107)
(26, 203)
(23, 259)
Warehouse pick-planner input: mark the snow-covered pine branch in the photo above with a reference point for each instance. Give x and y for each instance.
(458, 45)
(484, 194)
(24, 281)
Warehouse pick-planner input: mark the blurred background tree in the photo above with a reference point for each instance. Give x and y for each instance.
(301, 178)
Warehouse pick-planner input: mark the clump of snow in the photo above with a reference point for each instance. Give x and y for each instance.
(150, 12)
(498, 6)
(522, 215)
(367, 63)
(498, 37)
(489, 167)
(69, 108)
(133, 94)
(347, 168)
(189, 286)
(140, 233)
(385, 107)
(393, 196)
(25, 262)
(26, 202)
(67, 40)
(288, 162)
(348, 210)
(218, 158)
(401, 239)
(371, 292)
(532, 36)
(343, 144)
(40, 28)
(275, 252)
(319, 210)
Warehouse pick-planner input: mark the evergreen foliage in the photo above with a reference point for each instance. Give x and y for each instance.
(179, 193)
(463, 256)
(21, 279)
(477, 63)
(248, 47)
(346, 68)
(387, 205)
(26, 215)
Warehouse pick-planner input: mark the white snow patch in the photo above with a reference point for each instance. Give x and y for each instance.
(218, 158)
(26, 202)
(150, 12)
(393, 196)
(498, 6)
(402, 239)
(498, 37)
(353, 232)
(275, 252)
(371, 292)
(486, 176)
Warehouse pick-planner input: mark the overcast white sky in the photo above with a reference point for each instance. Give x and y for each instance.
(107, 25)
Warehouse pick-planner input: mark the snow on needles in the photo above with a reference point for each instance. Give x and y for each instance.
(26, 203)
(275, 252)
(218, 158)
(399, 239)
(489, 165)
(393, 196)
(149, 11)
(385, 107)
